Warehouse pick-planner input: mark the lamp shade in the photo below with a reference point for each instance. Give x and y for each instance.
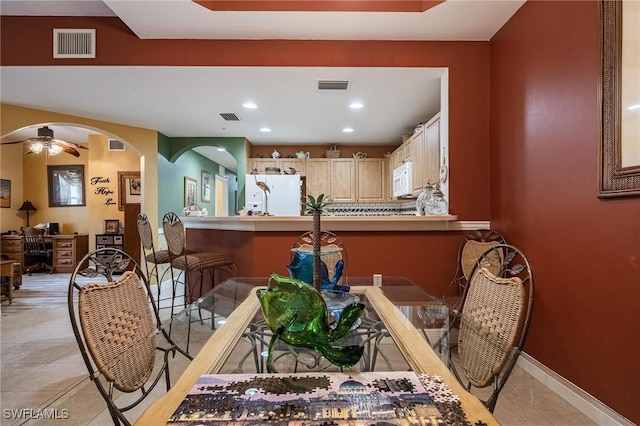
(27, 206)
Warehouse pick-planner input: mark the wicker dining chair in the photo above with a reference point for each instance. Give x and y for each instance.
(188, 263)
(118, 330)
(493, 320)
(471, 247)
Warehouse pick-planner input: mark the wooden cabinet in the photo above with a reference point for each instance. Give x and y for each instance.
(261, 164)
(370, 180)
(318, 177)
(423, 150)
(68, 251)
(296, 163)
(431, 155)
(12, 248)
(343, 179)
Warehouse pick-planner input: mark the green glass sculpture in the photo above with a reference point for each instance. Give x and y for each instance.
(297, 314)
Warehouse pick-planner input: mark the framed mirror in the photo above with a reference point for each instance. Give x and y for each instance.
(619, 148)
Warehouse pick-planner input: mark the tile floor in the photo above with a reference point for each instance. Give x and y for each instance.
(41, 367)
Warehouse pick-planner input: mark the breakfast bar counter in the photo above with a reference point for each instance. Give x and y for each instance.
(422, 248)
(333, 223)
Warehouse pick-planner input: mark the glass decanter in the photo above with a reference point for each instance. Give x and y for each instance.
(437, 205)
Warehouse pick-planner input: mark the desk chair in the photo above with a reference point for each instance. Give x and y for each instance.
(493, 320)
(35, 247)
(118, 330)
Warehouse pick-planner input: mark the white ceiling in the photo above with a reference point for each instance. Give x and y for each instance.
(187, 101)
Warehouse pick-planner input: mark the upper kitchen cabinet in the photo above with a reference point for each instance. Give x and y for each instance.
(284, 164)
(371, 179)
(343, 179)
(423, 150)
(318, 177)
(431, 164)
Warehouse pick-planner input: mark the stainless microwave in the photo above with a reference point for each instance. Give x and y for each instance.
(403, 180)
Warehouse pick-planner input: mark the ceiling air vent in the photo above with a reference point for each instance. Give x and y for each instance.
(229, 116)
(333, 84)
(72, 43)
(115, 145)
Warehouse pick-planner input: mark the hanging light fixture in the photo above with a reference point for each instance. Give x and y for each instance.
(45, 143)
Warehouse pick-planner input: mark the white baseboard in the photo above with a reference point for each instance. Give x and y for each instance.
(581, 400)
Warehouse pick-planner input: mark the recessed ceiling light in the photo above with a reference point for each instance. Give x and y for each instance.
(356, 105)
(221, 149)
(250, 105)
(347, 130)
(265, 129)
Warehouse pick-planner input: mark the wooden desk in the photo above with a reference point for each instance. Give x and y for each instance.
(211, 358)
(68, 250)
(7, 269)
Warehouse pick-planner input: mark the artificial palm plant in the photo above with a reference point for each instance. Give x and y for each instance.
(316, 207)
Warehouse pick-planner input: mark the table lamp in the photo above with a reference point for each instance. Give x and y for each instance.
(28, 207)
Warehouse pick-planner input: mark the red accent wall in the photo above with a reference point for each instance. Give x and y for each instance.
(584, 251)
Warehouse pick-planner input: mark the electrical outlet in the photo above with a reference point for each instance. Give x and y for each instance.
(377, 280)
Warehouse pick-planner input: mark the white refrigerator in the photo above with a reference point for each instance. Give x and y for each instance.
(284, 197)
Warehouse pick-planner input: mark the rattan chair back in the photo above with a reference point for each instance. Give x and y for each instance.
(494, 318)
(118, 329)
(474, 244)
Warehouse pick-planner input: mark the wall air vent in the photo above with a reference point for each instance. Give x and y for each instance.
(73, 43)
(229, 116)
(333, 84)
(115, 145)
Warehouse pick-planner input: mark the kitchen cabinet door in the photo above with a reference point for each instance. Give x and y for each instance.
(318, 174)
(260, 164)
(370, 179)
(416, 147)
(295, 163)
(343, 179)
(431, 155)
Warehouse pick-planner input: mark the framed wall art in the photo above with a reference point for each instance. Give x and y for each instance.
(5, 193)
(206, 187)
(190, 188)
(129, 188)
(619, 147)
(66, 186)
(111, 226)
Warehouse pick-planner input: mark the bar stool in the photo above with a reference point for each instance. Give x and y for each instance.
(154, 259)
(189, 263)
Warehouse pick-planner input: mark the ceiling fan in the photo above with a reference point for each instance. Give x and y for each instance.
(46, 142)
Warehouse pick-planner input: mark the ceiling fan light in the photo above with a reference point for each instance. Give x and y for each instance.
(55, 149)
(36, 147)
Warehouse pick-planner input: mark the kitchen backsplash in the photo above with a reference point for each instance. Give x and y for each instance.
(405, 208)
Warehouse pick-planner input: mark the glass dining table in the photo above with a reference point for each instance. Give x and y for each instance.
(402, 330)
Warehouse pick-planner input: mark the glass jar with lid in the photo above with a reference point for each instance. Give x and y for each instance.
(423, 198)
(437, 204)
